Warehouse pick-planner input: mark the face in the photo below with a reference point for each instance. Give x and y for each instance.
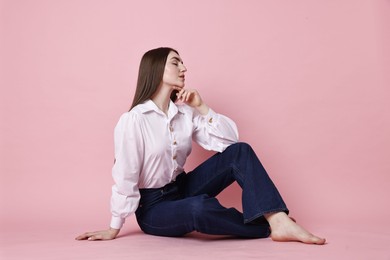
(174, 71)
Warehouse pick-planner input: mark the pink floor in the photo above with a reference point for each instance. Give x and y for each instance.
(42, 242)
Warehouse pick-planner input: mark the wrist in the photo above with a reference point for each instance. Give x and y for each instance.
(203, 109)
(114, 231)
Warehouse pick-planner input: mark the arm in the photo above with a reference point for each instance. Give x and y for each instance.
(212, 131)
(129, 149)
(125, 172)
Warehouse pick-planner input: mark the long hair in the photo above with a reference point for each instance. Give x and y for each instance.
(150, 74)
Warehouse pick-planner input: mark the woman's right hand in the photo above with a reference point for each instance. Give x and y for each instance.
(99, 235)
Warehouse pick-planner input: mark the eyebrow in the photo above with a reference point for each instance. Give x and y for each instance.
(176, 58)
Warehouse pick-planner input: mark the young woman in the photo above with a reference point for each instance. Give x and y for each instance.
(152, 142)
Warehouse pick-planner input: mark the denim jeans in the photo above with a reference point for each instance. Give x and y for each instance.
(189, 203)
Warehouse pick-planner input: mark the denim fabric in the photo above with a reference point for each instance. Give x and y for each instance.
(189, 203)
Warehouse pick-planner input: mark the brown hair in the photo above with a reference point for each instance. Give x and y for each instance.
(150, 74)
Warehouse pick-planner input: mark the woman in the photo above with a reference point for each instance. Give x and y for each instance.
(152, 142)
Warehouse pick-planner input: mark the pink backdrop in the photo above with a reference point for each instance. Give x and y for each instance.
(306, 81)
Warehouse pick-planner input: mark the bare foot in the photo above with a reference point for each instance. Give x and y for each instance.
(284, 229)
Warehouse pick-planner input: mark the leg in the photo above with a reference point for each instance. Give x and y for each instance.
(199, 213)
(237, 163)
(260, 197)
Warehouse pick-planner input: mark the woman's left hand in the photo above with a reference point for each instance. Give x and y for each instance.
(192, 98)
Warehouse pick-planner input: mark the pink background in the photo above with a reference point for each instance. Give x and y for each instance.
(307, 83)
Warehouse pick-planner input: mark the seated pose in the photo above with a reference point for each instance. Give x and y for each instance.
(152, 142)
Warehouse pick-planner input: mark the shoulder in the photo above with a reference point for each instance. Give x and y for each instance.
(135, 113)
(128, 119)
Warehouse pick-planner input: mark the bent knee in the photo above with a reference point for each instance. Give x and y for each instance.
(241, 146)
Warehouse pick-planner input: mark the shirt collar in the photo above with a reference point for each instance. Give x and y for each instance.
(149, 106)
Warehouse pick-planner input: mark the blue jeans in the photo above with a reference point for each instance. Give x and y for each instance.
(189, 203)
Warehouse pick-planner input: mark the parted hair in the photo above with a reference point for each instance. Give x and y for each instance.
(150, 74)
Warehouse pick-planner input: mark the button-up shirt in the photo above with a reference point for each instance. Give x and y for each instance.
(151, 149)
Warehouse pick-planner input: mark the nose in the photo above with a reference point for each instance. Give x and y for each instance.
(183, 68)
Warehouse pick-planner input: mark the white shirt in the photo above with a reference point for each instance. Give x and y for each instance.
(151, 149)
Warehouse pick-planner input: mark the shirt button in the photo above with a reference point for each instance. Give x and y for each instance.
(174, 157)
(174, 143)
(210, 120)
(171, 128)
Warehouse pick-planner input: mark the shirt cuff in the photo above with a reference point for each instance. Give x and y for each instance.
(211, 117)
(117, 222)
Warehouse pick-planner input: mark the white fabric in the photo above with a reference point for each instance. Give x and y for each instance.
(151, 149)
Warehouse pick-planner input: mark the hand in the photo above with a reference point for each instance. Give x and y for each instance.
(99, 235)
(192, 98)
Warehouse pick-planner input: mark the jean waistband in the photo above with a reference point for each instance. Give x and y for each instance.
(165, 188)
(151, 196)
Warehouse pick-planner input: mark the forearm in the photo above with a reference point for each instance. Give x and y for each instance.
(203, 109)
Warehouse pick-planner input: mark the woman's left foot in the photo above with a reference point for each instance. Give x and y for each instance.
(284, 229)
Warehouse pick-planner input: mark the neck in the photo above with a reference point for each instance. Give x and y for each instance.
(162, 98)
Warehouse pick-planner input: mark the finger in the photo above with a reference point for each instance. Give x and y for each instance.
(183, 96)
(80, 237)
(95, 237)
(188, 96)
(83, 236)
(91, 238)
(191, 95)
(179, 94)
